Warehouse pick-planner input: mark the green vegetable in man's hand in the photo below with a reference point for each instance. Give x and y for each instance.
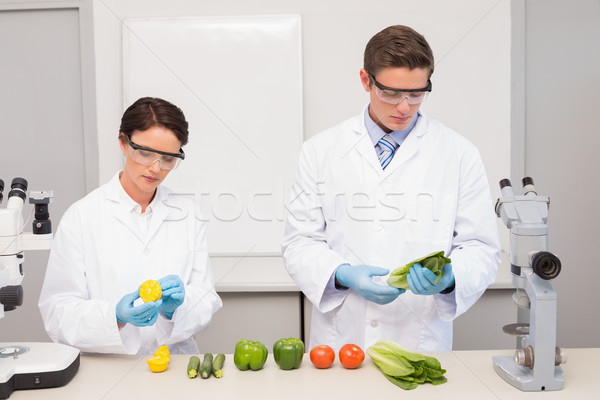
(288, 353)
(434, 262)
(249, 355)
(404, 368)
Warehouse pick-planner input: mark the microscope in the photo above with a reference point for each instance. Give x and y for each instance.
(27, 365)
(536, 363)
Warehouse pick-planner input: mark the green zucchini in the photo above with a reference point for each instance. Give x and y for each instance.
(206, 366)
(193, 367)
(217, 366)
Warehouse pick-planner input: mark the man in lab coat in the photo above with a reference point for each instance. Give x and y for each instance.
(379, 190)
(127, 231)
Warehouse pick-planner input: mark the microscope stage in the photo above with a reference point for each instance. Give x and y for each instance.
(36, 365)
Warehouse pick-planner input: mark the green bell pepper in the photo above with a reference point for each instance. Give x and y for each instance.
(288, 353)
(250, 355)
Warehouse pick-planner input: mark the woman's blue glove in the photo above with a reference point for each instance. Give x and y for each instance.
(422, 281)
(142, 315)
(360, 279)
(173, 293)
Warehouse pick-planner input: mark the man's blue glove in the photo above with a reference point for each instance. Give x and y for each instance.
(173, 293)
(142, 315)
(360, 279)
(422, 281)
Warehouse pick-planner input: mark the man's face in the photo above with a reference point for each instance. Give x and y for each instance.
(394, 117)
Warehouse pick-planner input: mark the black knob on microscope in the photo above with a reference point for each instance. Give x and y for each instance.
(11, 297)
(546, 265)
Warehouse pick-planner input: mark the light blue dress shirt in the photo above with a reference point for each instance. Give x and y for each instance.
(376, 133)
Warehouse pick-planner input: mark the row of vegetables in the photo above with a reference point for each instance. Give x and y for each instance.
(403, 368)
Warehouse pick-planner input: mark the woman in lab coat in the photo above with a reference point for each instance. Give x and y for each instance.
(127, 231)
(354, 216)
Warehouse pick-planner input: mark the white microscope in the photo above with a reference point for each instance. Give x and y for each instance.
(27, 365)
(536, 363)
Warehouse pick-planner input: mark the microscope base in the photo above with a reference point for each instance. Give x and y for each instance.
(36, 366)
(523, 378)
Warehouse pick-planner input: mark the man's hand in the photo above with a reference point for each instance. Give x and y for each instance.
(360, 279)
(423, 281)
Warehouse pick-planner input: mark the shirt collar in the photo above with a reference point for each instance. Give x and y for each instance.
(376, 133)
(130, 204)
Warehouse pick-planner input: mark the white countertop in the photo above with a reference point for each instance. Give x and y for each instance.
(470, 376)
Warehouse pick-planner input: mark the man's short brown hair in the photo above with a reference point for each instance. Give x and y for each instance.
(398, 46)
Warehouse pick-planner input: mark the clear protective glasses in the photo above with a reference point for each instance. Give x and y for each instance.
(396, 96)
(147, 156)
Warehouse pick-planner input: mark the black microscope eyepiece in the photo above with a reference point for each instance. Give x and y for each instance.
(504, 183)
(19, 183)
(527, 181)
(18, 188)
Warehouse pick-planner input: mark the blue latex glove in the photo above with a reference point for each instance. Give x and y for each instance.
(142, 315)
(173, 293)
(422, 281)
(360, 279)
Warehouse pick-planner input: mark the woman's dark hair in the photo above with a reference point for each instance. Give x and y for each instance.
(149, 112)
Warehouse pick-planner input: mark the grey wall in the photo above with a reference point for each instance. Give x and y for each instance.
(562, 142)
(42, 137)
(562, 138)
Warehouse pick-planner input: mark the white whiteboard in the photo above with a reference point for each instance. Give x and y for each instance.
(239, 82)
(191, 61)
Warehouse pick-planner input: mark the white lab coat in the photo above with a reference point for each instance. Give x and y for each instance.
(344, 208)
(99, 254)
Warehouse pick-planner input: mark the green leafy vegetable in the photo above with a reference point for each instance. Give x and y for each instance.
(434, 262)
(404, 368)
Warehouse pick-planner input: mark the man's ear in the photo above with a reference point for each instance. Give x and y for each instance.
(365, 80)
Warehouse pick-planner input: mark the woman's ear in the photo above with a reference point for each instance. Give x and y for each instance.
(123, 143)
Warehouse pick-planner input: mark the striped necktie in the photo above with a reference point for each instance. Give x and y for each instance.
(387, 147)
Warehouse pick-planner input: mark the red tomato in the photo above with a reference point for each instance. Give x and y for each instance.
(322, 356)
(351, 356)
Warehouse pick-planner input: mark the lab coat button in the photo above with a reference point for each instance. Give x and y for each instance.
(374, 323)
(380, 228)
(146, 252)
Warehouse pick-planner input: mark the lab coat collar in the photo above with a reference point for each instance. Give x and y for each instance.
(122, 205)
(363, 144)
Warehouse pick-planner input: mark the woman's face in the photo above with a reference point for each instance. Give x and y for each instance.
(140, 181)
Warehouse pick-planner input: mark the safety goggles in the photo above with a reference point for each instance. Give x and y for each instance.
(396, 96)
(147, 156)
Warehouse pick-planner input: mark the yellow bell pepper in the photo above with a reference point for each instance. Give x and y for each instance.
(150, 290)
(160, 360)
